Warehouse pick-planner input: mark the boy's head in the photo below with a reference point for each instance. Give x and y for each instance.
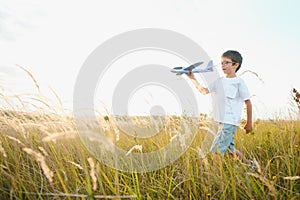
(235, 57)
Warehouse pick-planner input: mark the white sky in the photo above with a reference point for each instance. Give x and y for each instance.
(52, 39)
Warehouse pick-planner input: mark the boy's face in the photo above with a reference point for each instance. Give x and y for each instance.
(228, 66)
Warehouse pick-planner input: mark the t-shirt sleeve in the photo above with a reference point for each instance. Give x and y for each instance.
(243, 90)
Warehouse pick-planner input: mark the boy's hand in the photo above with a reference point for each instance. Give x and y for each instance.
(191, 75)
(248, 127)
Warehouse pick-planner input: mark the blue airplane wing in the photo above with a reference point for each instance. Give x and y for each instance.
(201, 70)
(194, 65)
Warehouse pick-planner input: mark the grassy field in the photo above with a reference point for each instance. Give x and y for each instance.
(42, 156)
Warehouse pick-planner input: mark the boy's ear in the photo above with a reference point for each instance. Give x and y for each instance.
(236, 65)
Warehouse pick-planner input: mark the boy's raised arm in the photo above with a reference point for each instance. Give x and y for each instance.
(201, 89)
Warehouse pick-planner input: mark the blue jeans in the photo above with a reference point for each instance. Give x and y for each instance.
(224, 139)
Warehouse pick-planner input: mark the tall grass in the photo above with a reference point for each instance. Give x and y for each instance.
(42, 156)
(34, 163)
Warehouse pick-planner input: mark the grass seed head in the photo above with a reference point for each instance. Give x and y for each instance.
(41, 159)
(93, 173)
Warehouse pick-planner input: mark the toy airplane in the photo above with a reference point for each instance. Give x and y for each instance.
(182, 70)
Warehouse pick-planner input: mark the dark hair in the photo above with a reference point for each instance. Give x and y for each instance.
(235, 57)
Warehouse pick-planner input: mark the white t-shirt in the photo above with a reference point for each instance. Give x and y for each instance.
(228, 96)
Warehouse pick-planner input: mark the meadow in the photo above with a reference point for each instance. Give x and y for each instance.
(42, 156)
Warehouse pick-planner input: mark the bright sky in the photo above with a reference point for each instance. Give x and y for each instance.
(52, 39)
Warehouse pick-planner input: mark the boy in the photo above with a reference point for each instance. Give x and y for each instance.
(229, 94)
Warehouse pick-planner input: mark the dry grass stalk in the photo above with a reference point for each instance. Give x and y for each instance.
(15, 139)
(270, 161)
(206, 128)
(54, 136)
(2, 150)
(137, 147)
(115, 128)
(93, 173)
(254, 73)
(181, 139)
(75, 164)
(31, 76)
(292, 178)
(43, 151)
(203, 158)
(3, 167)
(173, 137)
(57, 97)
(266, 182)
(41, 159)
(257, 166)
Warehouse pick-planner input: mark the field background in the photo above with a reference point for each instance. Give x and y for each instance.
(41, 156)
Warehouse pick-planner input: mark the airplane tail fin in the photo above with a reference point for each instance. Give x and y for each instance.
(210, 65)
